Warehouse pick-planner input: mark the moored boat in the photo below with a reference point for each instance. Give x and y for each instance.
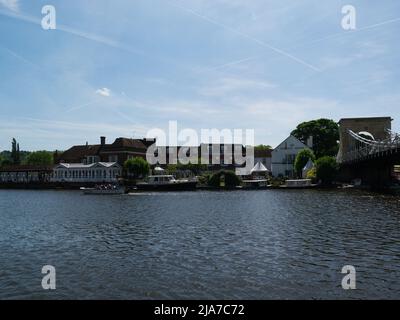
(255, 184)
(166, 183)
(104, 190)
(298, 184)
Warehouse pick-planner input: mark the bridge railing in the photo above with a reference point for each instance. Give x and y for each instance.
(364, 147)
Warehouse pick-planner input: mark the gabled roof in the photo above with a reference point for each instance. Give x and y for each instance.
(297, 140)
(107, 164)
(259, 167)
(87, 166)
(73, 166)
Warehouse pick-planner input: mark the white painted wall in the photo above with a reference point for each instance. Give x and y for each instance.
(87, 173)
(283, 157)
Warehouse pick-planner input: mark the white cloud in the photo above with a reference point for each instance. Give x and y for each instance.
(105, 92)
(12, 5)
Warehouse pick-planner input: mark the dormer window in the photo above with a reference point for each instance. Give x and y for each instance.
(92, 159)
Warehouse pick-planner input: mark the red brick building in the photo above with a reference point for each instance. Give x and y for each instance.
(119, 151)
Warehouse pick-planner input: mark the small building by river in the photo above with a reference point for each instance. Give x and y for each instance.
(62, 175)
(284, 155)
(100, 172)
(25, 174)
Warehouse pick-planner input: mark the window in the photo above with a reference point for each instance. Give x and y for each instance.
(289, 159)
(113, 158)
(92, 159)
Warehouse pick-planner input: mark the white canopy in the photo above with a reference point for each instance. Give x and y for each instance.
(307, 168)
(158, 169)
(309, 165)
(259, 167)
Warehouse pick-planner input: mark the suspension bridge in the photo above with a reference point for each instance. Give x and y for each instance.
(369, 150)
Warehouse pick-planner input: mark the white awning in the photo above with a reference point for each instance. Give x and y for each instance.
(259, 167)
(309, 165)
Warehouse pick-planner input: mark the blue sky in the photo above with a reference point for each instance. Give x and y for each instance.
(120, 68)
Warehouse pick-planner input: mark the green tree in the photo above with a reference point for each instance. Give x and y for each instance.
(229, 178)
(15, 153)
(137, 167)
(326, 169)
(262, 147)
(6, 163)
(196, 168)
(312, 174)
(44, 158)
(171, 169)
(301, 160)
(325, 135)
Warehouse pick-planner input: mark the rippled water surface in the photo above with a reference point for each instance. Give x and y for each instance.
(194, 245)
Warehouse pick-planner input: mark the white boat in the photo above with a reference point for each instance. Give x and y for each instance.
(103, 190)
(166, 183)
(298, 184)
(255, 184)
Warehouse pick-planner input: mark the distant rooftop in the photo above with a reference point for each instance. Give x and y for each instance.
(86, 166)
(367, 118)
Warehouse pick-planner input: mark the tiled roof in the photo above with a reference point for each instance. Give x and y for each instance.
(79, 152)
(125, 143)
(25, 168)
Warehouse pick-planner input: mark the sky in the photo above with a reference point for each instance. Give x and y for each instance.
(120, 68)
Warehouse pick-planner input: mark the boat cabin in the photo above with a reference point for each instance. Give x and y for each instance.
(161, 179)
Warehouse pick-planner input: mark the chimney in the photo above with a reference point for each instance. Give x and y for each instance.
(310, 142)
(102, 141)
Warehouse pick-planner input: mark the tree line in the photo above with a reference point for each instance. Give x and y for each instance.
(18, 157)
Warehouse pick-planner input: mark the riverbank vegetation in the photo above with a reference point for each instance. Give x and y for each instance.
(325, 140)
(19, 157)
(302, 159)
(136, 168)
(224, 179)
(325, 134)
(195, 169)
(326, 169)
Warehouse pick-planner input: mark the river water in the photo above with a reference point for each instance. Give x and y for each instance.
(274, 244)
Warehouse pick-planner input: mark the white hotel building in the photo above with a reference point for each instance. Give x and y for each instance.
(100, 172)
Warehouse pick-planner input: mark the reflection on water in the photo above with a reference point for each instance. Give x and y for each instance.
(195, 245)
